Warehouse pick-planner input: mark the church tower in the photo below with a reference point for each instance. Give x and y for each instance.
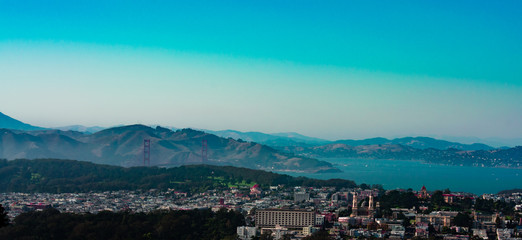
(370, 203)
(355, 209)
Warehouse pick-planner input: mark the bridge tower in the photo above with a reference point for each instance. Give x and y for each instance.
(204, 151)
(146, 152)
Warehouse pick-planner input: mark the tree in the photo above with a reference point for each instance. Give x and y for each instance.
(4, 220)
(499, 222)
(466, 203)
(397, 199)
(378, 187)
(345, 212)
(437, 200)
(405, 220)
(463, 220)
(321, 235)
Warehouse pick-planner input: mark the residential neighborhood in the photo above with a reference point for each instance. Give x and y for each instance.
(280, 212)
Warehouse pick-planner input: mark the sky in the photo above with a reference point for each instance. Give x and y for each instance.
(328, 69)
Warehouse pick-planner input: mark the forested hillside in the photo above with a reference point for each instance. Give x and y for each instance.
(55, 176)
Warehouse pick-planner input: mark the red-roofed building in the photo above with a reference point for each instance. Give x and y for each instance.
(255, 190)
(423, 193)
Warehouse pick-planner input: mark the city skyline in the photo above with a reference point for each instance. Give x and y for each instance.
(334, 70)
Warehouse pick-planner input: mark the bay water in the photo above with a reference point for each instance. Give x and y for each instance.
(394, 174)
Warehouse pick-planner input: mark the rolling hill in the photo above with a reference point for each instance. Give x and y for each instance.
(123, 146)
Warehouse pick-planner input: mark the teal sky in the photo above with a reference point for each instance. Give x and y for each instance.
(330, 69)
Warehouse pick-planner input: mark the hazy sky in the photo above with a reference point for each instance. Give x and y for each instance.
(330, 69)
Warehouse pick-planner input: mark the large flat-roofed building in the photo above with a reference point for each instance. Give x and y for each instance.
(287, 218)
(440, 219)
(301, 196)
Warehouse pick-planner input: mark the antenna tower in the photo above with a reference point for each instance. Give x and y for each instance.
(204, 151)
(146, 152)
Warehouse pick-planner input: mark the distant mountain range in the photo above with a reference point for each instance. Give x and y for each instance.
(279, 139)
(417, 142)
(279, 151)
(508, 158)
(123, 146)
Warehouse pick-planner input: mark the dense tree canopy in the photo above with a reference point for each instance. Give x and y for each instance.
(490, 206)
(194, 224)
(397, 199)
(437, 200)
(4, 220)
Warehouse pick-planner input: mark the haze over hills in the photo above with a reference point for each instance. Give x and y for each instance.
(417, 142)
(509, 158)
(297, 140)
(491, 141)
(123, 146)
(276, 139)
(80, 128)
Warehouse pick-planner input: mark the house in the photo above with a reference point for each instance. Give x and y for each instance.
(246, 233)
(255, 190)
(422, 230)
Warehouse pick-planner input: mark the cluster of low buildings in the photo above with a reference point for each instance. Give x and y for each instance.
(17, 203)
(293, 213)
